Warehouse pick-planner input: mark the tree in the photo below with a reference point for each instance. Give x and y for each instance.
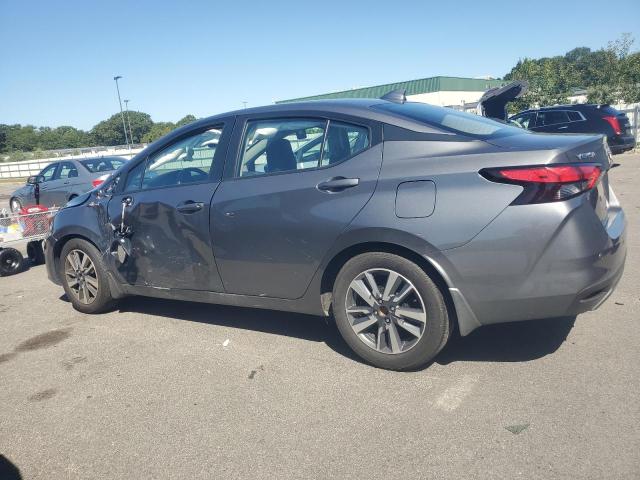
(110, 132)
(609, 75)
(158, 130)
(186, 120)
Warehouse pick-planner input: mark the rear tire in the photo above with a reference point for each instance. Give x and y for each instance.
(84, 277)
(10, 261)
(403, 324)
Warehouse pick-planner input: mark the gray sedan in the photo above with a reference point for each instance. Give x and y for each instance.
(59, 182)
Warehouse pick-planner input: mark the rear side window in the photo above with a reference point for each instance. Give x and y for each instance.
(574, 116)
(450, 120)
(67, 170)
(106, 164)
(552, 117)
(282, 145)
(343, 141)
(292, 144)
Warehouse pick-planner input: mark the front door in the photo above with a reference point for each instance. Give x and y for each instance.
(48, 173)
(167, 201)
(297, 184)
(62, 183)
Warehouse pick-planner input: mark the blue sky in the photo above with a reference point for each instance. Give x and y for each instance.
(58, 58)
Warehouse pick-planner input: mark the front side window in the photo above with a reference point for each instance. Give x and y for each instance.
(189, 160)
(48, 172)
(525, 120)
(286, 145)
(67, 170)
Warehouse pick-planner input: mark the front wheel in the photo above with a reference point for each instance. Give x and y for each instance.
(15, 205)
(84, 277)
(389, 311)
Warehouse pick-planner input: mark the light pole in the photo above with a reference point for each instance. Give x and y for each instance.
(124, 126)
(126, 107)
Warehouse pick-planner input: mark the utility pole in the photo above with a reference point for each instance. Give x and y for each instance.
(244, 104)
(126, 107)
(124, 126)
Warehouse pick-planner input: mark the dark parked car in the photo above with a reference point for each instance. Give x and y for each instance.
(581, 118)
(403, 220)
(61, 181)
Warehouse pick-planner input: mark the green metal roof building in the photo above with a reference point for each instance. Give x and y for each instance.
(436, 90)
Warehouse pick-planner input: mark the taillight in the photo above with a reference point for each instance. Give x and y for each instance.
(615, 124)
(546, 183)
(96, 182)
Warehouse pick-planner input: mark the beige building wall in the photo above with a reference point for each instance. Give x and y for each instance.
(445, 98)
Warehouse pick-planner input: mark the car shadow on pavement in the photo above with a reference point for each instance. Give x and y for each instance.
(509, 342)
(297, 325)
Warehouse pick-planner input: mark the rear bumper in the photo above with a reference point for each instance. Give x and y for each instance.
(622, 143)
(540, 262)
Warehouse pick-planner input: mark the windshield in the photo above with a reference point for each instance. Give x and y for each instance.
(450, 120)
(105, 164)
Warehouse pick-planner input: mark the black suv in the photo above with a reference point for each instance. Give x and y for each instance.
(581, 118)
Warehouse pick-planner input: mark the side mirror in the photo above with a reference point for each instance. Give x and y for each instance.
(35, 179)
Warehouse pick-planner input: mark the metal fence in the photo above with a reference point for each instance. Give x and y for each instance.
(24, 168)
(634, 118)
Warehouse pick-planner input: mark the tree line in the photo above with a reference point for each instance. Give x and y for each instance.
(609, 75)
(15, 139)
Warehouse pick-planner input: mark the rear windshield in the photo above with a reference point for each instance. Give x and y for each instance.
(106, 164)
(451, 120)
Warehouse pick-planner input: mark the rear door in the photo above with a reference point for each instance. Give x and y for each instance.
(296, 184)
(167, 200)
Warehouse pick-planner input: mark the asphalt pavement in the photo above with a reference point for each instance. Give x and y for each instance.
(161, 389)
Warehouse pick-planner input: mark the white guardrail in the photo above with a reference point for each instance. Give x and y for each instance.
(24, 168)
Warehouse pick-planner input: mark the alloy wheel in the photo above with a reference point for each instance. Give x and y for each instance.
(81, 276)
(386, 311)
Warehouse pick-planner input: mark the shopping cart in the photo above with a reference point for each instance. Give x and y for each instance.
(30, 225)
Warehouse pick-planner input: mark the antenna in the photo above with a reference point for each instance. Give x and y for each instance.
(396, 96)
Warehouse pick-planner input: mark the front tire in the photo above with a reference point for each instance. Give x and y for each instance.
(84, 277)
(389, 311)
(15, 205)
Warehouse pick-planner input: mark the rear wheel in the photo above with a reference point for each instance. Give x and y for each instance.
(10, 261)
(84, 277)
(389, 311)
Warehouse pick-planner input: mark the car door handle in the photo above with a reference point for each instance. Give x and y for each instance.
(337, 184)
(190, 206)
(562, 128)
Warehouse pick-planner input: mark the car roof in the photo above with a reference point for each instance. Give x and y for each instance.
(570, 106)
(357, 107)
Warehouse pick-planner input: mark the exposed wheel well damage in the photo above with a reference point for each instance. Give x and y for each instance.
(336, 263)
